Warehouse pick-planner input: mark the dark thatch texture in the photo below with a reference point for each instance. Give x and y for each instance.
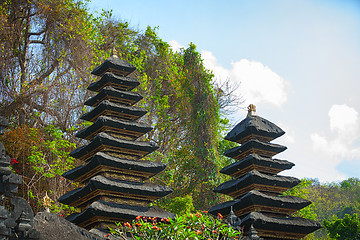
(254, 125)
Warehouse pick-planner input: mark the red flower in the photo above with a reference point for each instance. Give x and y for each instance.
(220, 216)
(214, 231)
(155, 227)
(13, 161)
(127, 225)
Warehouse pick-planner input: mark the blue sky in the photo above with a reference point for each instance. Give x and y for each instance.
(297, 61)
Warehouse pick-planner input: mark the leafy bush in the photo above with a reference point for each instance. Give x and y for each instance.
(347, 228)
(188, 226)
(181, 205)
(40, 156)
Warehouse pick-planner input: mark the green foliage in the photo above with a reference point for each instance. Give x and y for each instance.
(347, 228)
(309, 212)
(336, 198)
(188, 226)
(331, 200)
(181, 205)
(40, 157)
(51, 157)
(301, 190)
(184, 112)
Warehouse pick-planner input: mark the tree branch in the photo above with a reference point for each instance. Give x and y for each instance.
(42, 108)
(46, 74)
(7, 110)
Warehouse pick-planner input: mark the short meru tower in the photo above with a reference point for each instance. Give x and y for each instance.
(256, 188)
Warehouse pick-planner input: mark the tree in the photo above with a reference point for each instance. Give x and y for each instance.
(204, 119)
(48, 49)
(40, 156)
(347, 228)
(44, 45)
(183, 108)
(302, 190)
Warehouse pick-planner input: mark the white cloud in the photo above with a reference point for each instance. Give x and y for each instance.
(331, 151)
(176, 46)
(258, 83)
(344, 121)
(221, 74)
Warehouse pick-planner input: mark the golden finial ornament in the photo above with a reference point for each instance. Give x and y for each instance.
(251, 110)
(114, 52)
(47, 202)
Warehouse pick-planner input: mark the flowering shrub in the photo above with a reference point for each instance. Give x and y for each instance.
(188, 226)
(40, 156)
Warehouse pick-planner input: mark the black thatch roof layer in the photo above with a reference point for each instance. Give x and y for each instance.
(292, 225)
(114, 95)
(259, 200)
(146, 169)
(254, 125)
(254, 177)
(255, 146)
(258, 162)
(115, 81)
(120, 188)
(104, 123)
(115, 110)
(114, 64)
(115, 211)
(105, 141)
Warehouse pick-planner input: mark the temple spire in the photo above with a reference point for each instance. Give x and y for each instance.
(251, 110)
(114, 52)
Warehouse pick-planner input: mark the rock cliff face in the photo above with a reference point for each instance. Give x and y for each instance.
(54, 227)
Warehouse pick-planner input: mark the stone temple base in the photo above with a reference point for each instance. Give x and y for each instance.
(53, 227)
